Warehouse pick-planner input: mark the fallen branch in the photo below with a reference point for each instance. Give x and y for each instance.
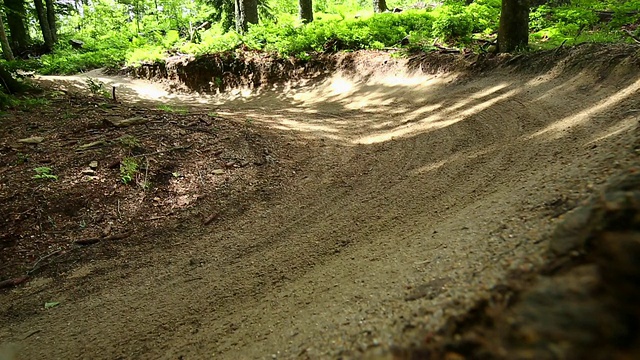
(35, 265)
(165, 151)
(560, 47)
(210, 218)
(630, 34)
(446, 50)
(13, 282)
(94, 240)
(31, 334)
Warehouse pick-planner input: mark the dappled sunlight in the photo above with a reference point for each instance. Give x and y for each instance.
(619, 128)
(435, 121)
(373, 108)
(429, 167)
(557, 128)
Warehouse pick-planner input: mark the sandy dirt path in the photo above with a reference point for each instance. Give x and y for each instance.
(418, 194)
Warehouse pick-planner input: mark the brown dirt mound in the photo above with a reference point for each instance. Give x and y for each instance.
(242, 69)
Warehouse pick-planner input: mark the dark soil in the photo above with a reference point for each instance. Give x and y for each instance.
(191, 167)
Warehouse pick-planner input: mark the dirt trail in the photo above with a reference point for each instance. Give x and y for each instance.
(418, 194)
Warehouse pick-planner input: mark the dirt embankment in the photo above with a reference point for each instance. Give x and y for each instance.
(379, 206)
(218, 73)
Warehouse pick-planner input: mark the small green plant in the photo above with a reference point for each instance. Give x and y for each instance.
(129, 167)
(22, 158)
(97, 87)
(172, 109)
(213, 114)
(44, 172)
(31, 103)
(129, 141)
(249, 121)
(145, 185)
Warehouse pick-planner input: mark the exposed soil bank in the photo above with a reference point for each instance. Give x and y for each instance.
(254, 70)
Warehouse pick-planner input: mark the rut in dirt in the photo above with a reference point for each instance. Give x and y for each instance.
(409, 197)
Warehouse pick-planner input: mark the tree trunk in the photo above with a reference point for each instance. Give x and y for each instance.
(6, 48)
(305, 8)
(513, 32)
(8, 83)
(246, 13)
(44, 24)
(379, 6)
(51, 18)
(19, 36)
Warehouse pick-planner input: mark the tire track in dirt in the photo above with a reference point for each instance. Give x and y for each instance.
(445, 185)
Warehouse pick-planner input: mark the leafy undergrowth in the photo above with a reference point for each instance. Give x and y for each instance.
(74, 174)
(112, 40)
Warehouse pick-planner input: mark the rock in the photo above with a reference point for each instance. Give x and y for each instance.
(89, 172)
(93, 164)
(76, 44)
(90, 145)
(137, 120)
(572, 232)
(32, 140)
(218, 172)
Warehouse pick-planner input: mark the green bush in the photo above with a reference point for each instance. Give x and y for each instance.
(453, 22)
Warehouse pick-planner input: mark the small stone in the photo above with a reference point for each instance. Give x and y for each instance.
(32, 140)
(93, 164)
(230, 164)
(137, 120)
(218, 172)
(89, 172)
(572, 232)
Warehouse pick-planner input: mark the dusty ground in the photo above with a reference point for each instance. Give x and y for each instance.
(346, 216)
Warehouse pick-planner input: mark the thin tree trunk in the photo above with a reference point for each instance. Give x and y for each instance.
(44, 24)
(19, 36)
(379, 6)
(6, 48)
(305, 8)
(513, 32)
(51, 19)
(246, 13)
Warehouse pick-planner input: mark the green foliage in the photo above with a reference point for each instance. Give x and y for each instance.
(22, 158)
(129, 167)
(130, 32)
(129, 141)
(172, 109)
(97, 87)
(577, 22)
(454, 21)
(68, 62)
(44, 173)
(7, 100)
(30, 103)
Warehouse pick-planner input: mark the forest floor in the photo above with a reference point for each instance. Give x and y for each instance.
(375, 213)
